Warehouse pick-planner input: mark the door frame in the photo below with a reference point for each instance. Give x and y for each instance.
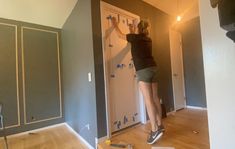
(172, 73)
(143, 116)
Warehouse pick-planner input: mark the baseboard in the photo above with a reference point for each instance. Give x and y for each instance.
(170, 113)
(34, 131)
(79, 137)
(194, 107)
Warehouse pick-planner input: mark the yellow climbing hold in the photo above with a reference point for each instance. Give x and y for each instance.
(108, 142)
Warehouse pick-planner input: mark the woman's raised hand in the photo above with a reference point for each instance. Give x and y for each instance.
(114, 22)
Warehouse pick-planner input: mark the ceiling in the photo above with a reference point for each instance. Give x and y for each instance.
(188, 9)
(45, 12)
(55, 12)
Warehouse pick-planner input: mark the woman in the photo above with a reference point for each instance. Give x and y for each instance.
(146, 70)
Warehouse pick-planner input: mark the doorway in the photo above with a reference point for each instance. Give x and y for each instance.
(124, 103)
(177, 69)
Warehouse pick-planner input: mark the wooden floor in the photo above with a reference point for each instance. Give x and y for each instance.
(186, 129)
(54, 138)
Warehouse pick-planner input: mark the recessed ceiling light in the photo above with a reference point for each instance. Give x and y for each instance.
(178, 18)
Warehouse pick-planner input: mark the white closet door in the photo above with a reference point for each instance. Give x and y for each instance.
(177, 69)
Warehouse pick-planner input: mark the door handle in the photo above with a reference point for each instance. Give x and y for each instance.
(175, 75)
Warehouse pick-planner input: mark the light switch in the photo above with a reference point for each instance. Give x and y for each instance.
(89, 76)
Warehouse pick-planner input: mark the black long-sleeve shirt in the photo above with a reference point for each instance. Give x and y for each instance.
(141, 50)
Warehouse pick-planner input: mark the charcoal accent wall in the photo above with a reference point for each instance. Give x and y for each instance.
(99, 70)
(30, 88)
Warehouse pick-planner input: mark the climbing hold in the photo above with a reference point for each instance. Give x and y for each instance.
(108, 141)
(112, 75)
(119, 125)
(119, 65)
(125, 120)
(109, 17)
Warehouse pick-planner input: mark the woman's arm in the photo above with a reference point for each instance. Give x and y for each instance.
(108, 32)
(119, 32)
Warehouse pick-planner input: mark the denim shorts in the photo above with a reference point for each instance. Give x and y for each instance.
(149, 75)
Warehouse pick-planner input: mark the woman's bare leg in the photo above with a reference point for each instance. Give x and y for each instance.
(157, 103)
(146, 89)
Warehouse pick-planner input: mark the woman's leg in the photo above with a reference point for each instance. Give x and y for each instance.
(157, 103)
(146, 89)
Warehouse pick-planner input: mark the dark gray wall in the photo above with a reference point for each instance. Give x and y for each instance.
(161, 47)
(40, 54)
(193, 63)
(77, 61)
(99, 70)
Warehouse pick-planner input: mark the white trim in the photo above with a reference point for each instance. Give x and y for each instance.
(107, 105)
(59, 72)
(78, 136)
(171, 55)
(198, 108)
(38, 29)
(17, 77)
(34, 131)
(7, 24)
(107, 7)
(100, 140)
(23, 74)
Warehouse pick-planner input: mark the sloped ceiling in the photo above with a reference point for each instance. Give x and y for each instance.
(44, 12)
(55, 12)
(188, 9)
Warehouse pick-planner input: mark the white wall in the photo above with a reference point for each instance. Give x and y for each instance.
(219, 64)
(44, 12)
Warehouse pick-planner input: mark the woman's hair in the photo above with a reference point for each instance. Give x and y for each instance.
(143, 27)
